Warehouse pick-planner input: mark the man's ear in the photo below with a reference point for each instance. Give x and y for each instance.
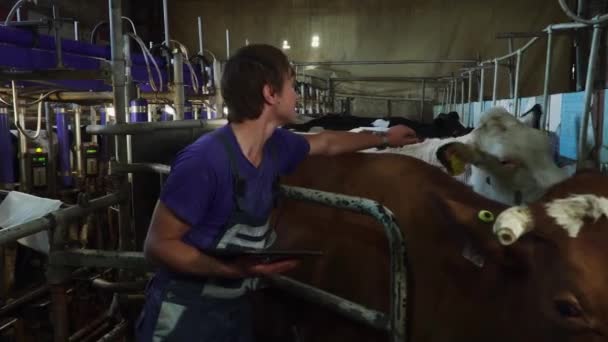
(269, 94)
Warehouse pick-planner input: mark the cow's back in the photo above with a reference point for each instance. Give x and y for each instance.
(355, 263)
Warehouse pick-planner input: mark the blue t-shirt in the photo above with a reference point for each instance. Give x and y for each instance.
(200, 189)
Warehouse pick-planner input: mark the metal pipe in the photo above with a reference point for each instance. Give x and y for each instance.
(462, 98)
(516, 91)
(165, 22)
(141, 167)
(468, 121)
(514, 53)
(495, 83)
(406, 61)
(545, 118)
(103, 97)
(450, 90)
(389, 79)
(101, 259)
(28, 297)
(95, 334)
(11, 234)
(76, 33)
(583, 151)
(52, 179)
(87, 329)
(178, 84)
(24, 177)
(422, 99)
(565, 26)
(374, 97)
(569, 13)
(56, 33)
(133, 286)
(78, 142)
(119, 330)
(59, 312)
(481, 88)
(398, 253)
(227, 43)
(511, 78)
(351, 310)
(146, 127)
(200, 36)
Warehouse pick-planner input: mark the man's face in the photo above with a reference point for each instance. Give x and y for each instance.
(287, 98)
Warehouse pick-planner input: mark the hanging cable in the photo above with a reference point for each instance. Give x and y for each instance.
(148, 55)
(16, 115)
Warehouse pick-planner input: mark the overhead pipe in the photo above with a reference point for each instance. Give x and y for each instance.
(380, 62)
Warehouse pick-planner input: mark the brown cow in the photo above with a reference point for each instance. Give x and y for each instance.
(550, 285)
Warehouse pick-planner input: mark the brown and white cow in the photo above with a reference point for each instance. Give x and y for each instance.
(545, 279)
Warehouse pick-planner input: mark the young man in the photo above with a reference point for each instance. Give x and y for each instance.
(219, 195)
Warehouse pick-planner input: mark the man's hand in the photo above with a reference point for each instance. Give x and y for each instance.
(401, 135)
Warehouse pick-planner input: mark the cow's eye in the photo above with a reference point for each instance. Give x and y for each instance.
(568, 308)
(510, 163)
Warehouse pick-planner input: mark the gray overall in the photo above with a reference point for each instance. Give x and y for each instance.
(188, 308)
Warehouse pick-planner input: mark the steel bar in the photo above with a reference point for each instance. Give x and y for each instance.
(583, 149)
(87, 329)
(28, 297)
(59, 311)
(565, 26)
(374, 97)
(108, 96)
(141, 167)
(462, 98)
(398, 253)
(133, 286)
(24, 176)
(76, 33)
(57, 34)
(569, 13)
(146, 127)
(119, 330)
(516, 91)
(545, 118)
(178, 84)
(468, 121)
(100, 258)
(52, 176)
(78, 141)
(495, 83)
(227, 43)
(201, 51)
(14, 233)
(380, 62)
(351, 310)
(422, 100)
(165, 22)
(481, 89)
(389, 79)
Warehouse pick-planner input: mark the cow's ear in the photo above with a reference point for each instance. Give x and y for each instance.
(476, 221)
(455, 156)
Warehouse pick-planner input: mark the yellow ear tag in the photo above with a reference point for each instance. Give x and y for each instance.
(456, 165)
(485, 216)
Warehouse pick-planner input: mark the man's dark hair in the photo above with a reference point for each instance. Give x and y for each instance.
(245, 75)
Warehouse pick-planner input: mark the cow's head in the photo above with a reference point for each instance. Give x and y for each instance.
(449, 125)
(512, 162)
(559, 247)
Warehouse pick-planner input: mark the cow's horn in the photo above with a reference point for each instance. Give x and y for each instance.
(512, 223)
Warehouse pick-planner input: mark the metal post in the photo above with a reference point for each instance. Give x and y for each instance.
(545, 118)
(481, 86)
(178, 84)
(516, 92)
(495, 85)
(56, 28)
(451, 89)
(583, 150)
(78, 142)
(76, 33)
(52, 174)
(200, 36)
(118, 88)
(422, 100)
(462, 98)
(511, 78)
(227, 43)
(579, 55)
(165, 21)
(24, 179)
(470, 98)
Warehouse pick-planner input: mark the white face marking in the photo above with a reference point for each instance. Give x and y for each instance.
(512, 223)
(570, 212)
